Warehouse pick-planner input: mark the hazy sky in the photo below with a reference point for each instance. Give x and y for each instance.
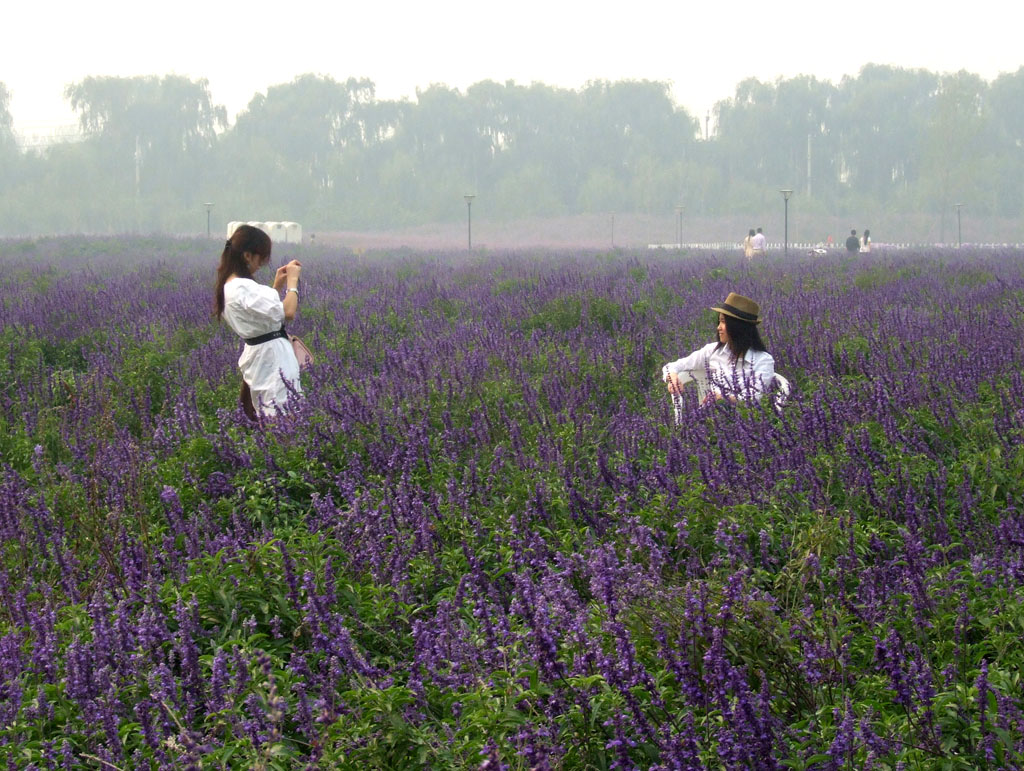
(702, 48)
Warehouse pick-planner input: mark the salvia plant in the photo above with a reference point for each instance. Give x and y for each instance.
(481, 541)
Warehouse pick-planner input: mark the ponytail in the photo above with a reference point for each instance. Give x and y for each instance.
(246, 238)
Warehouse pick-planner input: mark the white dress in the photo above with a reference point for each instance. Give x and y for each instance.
(252, 309)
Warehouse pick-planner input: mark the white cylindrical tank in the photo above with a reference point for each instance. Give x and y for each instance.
(276, 231)
(280, 232)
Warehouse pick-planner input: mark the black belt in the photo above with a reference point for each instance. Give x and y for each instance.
(267, 337)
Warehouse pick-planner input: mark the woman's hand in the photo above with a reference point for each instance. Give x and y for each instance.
(288, 274)
(674, 387)
(280, 277)
(716, 396)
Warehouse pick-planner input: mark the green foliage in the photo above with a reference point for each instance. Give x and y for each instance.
(603, 313)
(559, 315)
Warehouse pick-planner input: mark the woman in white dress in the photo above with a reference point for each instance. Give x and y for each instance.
(865, 242)
(748, 245)
(256, 313)
(735, 368)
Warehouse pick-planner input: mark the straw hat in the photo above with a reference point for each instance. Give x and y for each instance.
(739, 307)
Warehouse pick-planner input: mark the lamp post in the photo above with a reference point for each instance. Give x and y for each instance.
(679, 213)
(208, 206)
(785, 197)
(959, 238)
(469, 220)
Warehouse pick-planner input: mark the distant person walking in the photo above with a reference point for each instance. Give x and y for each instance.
(256, 313)
(852, 242)
(759, 243)
(865, 242)
(748, 245)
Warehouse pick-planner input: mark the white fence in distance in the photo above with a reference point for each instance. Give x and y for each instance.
(807, 247)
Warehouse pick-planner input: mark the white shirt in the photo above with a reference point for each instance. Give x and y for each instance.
(716, 371)
(758, 242)
(252, 309)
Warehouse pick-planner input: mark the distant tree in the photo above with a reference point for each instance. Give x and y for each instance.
(371, 178)
(440, 137)
(497, 116)
(634, 129)
(304, 123)
(440, 131)
(809, 137)
(1006, 105)
(172, 115)
(635, 118)
(502, 123)
(764, 132)
(8, 143)
(287, 153)
(329, 154)
(1006, 110)
(69, 193)
(601, 190)
(550, 125)
(6, 119)
(746, 136)
(881, 117)
(153, 136)
(582, 149)
(956, 147)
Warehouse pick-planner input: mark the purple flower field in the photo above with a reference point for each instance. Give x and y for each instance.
(480, 542)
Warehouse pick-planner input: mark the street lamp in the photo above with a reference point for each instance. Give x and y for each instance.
(785, 196)
(469, 220)
(679, 212)
(208, 206)
(959, 239)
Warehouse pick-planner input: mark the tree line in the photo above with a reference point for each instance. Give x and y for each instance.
(331, 155)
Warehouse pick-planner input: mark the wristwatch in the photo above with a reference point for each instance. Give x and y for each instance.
(291, 289)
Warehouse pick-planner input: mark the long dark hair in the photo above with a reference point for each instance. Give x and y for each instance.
(743, 337)
(246, 238)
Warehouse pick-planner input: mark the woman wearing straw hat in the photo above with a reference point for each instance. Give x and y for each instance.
(735, 368)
